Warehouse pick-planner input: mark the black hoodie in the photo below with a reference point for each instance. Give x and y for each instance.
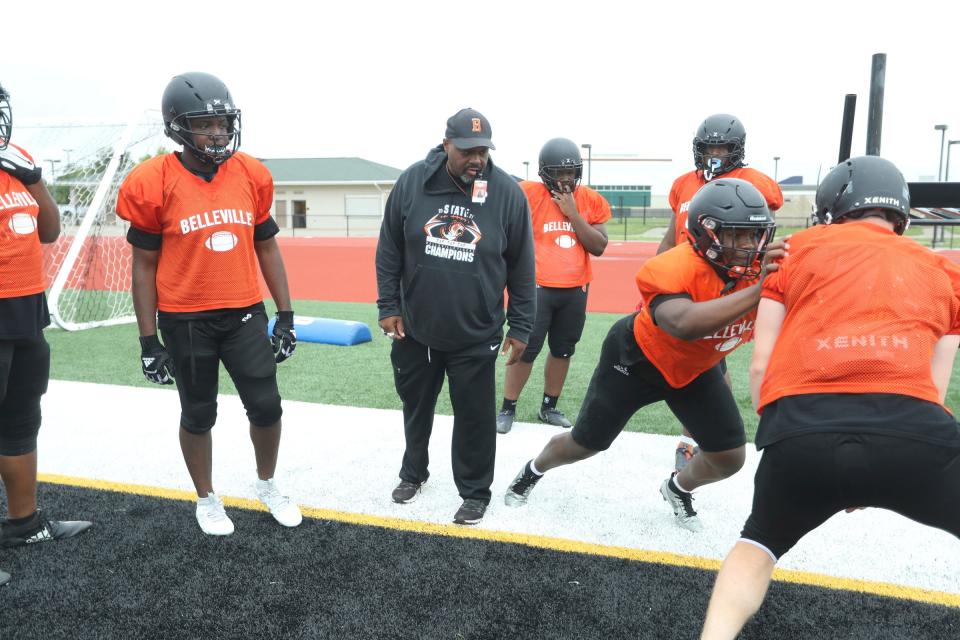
(444, 260)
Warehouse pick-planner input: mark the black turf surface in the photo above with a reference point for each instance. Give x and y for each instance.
(146, 571)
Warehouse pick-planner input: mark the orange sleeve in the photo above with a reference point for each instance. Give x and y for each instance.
(954, 272)
(263, 183)
(666, 273)
(770, 189)
(139, 201)
(675, 195)
(24, 152)
(599, 209)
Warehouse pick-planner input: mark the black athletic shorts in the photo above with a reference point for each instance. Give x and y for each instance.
(625, 381)
(804, 480)
(198, 344)
(24, 375)
(561, 313)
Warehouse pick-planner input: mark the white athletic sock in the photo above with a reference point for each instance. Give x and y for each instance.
(534, 469)
(688, 440)
(676, 483)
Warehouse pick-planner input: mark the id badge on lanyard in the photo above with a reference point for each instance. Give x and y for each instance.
(479, 191)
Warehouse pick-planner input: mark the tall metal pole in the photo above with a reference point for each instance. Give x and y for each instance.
(875, 115)
(846, 129)
(526, 164)
(942, 128)
(946, 174)
(589, 148)
(776, 165)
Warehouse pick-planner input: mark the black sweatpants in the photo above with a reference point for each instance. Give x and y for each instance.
(418, 372)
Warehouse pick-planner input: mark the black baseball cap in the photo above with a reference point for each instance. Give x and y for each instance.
(468, 128)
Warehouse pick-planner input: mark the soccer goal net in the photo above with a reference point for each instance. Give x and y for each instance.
(88, 268)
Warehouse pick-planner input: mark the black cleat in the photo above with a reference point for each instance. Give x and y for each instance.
(39, 529)
(470, 512)
(555, 417)
(505, 420)
(520, 488)
(406, 492)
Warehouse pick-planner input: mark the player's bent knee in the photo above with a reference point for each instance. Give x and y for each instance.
(19, 428)
(199, 419)
(728, 462)
(563, 352)
(265, 412)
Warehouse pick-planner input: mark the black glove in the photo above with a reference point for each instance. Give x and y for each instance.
(155, 360)
(19, 166)
(284, 337)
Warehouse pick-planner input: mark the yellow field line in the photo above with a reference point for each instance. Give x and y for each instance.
(541, 542)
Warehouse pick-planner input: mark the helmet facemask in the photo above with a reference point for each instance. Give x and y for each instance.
(713, 165)
(724, 252)
(562, 178)
(6, 119)
(181, 129)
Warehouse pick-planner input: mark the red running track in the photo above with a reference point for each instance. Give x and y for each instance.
(342, 269)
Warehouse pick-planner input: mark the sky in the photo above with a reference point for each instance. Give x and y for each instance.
(378, 80)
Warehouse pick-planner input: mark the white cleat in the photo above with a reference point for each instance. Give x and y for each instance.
(682, 504)
(282, 508)
(212, 517)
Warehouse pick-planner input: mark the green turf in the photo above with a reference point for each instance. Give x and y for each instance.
(361, 375)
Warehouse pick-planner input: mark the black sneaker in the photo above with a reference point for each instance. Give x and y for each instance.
(470, 512)
(555, 417)
(407, 492)
(39, 529)
(4, 577)
(505, 420)
(520, 488)
(682, 504)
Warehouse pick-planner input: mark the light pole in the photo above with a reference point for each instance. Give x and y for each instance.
(942, 128)
(946, 174)
(67, 151)
(589, 148)
(526, 165)
(53, 170)
(776, 166)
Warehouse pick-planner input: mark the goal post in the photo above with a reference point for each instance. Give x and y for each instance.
(89, 267)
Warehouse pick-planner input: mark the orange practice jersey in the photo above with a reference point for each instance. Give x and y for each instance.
(21, 259)
(865, 308)
(688, 184)
(561, 259)
(682, 271)
(207, 257)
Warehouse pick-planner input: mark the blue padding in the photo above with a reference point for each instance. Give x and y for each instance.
(328, 331)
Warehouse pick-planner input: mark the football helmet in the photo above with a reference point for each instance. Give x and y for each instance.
(720, 212)
(560, 154)
(720, 129)
(863, 184)
(193, 95)
(6, 118)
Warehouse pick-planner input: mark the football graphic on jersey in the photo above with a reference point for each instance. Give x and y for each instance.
(565, 242)
(23, 224)
(221, 241)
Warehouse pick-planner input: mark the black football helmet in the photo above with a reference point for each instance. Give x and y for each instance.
(560, 154)
(192, 95)
(863, 184)
(729, 204)
(719, 129)
(6, 119)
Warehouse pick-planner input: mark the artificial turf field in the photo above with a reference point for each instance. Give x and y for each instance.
(145, 571)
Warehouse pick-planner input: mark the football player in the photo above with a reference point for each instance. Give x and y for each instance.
(856, 336)
(28, 218)
(208, 208)
(719, 146)
(568, 227)
(700, 301)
